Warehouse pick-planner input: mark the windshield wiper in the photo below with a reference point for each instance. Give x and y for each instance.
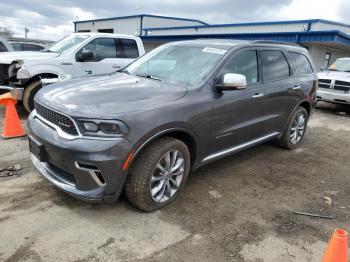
(123, 71)
(150, 77)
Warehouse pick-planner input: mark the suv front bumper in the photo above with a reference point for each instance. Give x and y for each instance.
(333, 96)
(88, 169)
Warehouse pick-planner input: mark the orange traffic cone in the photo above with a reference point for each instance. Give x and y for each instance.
(12, 124)
(337, 250)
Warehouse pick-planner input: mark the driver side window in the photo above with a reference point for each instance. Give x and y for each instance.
(244, 63)
(102, 48)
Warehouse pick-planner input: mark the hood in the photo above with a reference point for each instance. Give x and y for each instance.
(108, 95)
(336, 75)
(9, 57)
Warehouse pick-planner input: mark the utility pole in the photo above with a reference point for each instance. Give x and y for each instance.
(26, 31)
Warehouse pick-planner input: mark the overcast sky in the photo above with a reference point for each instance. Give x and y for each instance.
(54, 17)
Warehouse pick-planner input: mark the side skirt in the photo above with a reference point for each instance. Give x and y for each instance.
(240, 147)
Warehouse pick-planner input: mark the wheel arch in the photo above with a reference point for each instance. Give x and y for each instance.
(182, 134)
(307, 105)
(38, 77)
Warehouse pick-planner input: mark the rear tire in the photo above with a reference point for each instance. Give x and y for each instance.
(29, 93)
(151, 184)
(295, 131)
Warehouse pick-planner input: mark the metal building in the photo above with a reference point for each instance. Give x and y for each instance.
(133, 24)
(325, 40)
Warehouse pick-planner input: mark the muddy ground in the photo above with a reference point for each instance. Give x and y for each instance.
(237, 209)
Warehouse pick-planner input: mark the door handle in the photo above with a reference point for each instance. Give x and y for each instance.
(296, 87)
(117, 66)
(256, 95)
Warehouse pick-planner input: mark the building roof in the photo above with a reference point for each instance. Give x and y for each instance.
(308, 21)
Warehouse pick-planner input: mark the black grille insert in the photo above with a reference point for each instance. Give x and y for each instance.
(62, 175)
(64, 122)
(324, 83)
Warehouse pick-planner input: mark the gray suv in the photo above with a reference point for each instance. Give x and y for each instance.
(179, 107)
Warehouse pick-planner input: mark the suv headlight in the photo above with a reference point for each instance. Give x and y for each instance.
(103, 128)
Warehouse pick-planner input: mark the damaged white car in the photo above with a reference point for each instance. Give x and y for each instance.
(334, 83)
(23, 73)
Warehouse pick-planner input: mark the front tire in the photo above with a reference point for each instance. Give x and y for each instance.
(29, 93)
(158, 175)
(294, 134)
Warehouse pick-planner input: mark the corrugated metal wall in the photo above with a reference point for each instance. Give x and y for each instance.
(149, 22)
(289, 27)
(323, 26)
(130, 26)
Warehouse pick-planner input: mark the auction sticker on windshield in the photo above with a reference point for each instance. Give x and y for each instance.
(214, 50)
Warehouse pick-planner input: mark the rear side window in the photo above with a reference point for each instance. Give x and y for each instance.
(30, 47)
(275, 65)
(301, 63)
(3, 47)
(127, 48)
(16, 46)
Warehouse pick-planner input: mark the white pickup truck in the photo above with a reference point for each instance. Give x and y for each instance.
(334, 82)
(23, 73)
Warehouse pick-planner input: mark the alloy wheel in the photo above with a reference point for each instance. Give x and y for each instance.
(298, 128)
(167, 176)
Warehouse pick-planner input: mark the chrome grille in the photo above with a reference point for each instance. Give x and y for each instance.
(324, 83)
(342, 85)
(334, 84)
(60, 120)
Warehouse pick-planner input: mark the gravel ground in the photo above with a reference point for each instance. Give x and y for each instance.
(237, 209)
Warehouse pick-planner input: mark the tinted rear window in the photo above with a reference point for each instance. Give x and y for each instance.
(275, 65)
(301, 63)
(3, 48)
(30, 47)
(127, 48)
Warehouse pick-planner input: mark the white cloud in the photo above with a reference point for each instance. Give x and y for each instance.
(309, 9)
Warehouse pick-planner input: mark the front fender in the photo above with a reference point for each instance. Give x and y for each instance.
(169, 128)
(29, 71)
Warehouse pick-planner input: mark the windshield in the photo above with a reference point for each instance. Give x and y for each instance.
(179, 64)
(340, 65)
(67, 43)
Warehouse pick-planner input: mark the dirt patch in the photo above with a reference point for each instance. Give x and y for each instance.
(24, 252)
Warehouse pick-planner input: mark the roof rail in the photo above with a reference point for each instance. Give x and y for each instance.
(275, 42)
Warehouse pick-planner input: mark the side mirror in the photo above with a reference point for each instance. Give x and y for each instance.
(86, 56)
(233, 82)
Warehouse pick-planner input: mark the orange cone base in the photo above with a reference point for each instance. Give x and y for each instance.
(9, 137)
(12, 125)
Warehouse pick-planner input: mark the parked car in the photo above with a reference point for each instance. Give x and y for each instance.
(179, 107)
(27, 46)
(334, 82)
(5, 45)
(78, 54)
